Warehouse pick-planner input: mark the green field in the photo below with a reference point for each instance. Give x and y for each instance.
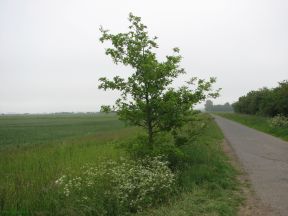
(257, 122)
(37, 149)
(19, 130)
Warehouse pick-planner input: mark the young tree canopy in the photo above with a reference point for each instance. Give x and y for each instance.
(147, 98)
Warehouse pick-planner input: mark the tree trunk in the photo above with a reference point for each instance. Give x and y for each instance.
(150, 134)
(149, 120)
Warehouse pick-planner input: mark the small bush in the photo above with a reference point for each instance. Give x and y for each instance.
(279, 121)
(190, 132)
(169, 144)
(116, 188)
(164, 146)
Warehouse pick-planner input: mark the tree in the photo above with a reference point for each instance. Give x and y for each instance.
(281, 97)
(208, 106)
(264, 101)
(147, 98)
(105, 109)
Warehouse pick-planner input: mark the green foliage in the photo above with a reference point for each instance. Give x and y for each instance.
(210, 107)
(191, 130)
(116, 188)
(169, 145)
(163, 146)
(105, 109)
(208, 184)
(147, 98)
(266, 102)
(28, 164)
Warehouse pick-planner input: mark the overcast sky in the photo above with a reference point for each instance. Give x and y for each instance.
(51, 57)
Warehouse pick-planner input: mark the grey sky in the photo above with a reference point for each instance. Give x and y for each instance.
(51, 59)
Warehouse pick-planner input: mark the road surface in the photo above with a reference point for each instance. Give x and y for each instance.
(264, 158)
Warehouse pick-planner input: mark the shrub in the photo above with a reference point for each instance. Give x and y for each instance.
(169, 144)
(113, 188)
(279, 121)
(164, 146)
(191, 131)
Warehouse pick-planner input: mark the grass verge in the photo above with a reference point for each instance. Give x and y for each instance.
(257, 122)
(209, 184)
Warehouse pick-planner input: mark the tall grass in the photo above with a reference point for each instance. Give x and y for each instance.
(48, 150)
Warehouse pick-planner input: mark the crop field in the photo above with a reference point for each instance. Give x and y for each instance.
(35, 149)
(19, 130)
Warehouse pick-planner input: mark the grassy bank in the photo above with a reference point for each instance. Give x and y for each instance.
(257, 122)
(37, 150)
(209, 185)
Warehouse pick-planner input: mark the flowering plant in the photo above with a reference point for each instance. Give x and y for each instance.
(279, 121)
(125, 186)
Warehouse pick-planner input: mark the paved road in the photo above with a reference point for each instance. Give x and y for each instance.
(265, 159)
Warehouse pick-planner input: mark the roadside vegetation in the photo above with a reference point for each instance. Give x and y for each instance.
(207, 185)
(276, 126)
(166, 158)
(32, 181)
(30, 164)
(265, 101)
(264, 109)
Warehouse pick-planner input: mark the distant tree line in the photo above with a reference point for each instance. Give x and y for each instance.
(265, 101)
(210, 107)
